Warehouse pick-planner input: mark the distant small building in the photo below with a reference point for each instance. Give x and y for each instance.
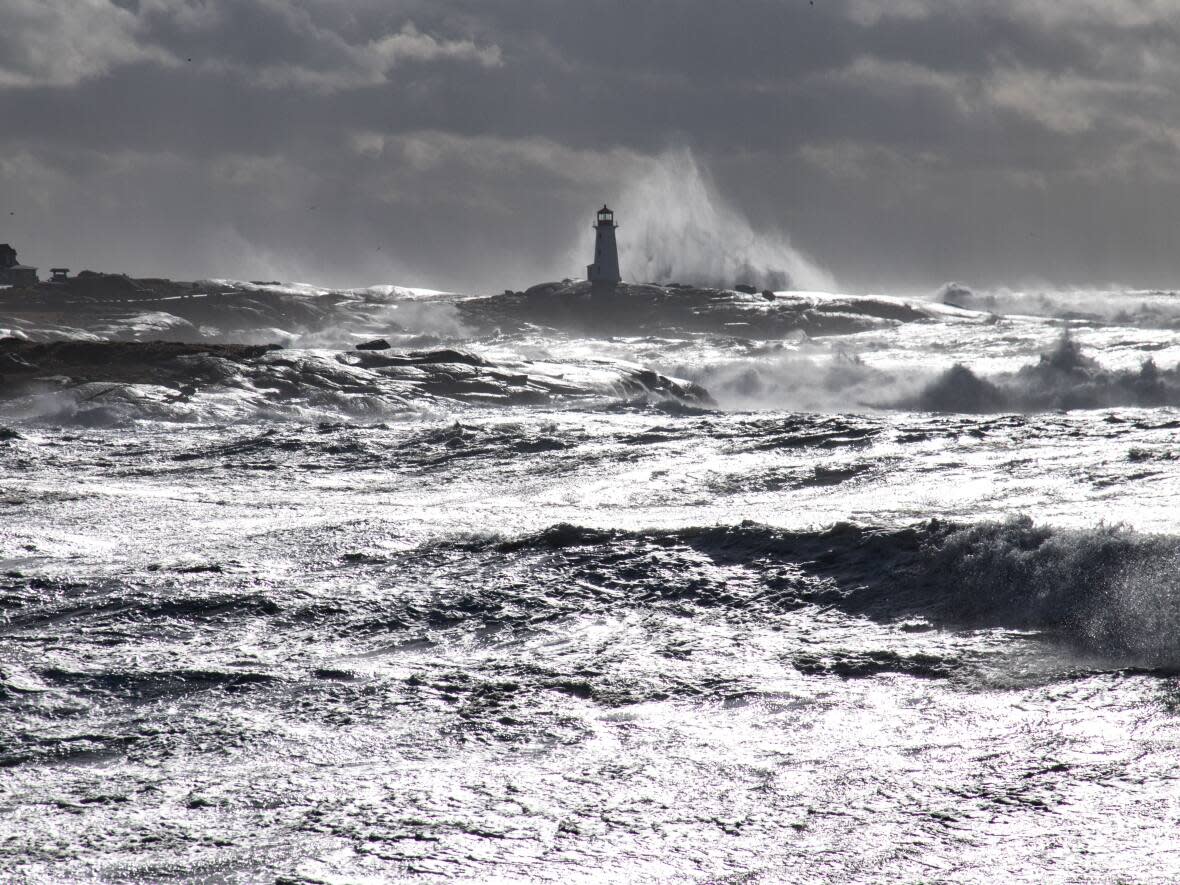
(59, 274)
(605, 268)
(12, 273)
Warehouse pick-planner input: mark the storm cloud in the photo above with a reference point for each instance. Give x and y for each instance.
(465, 144)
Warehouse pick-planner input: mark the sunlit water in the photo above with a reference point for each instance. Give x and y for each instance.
(803, 636)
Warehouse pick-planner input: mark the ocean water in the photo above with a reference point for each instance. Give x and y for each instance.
(593, 593)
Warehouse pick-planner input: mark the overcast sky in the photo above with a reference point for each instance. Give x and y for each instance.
(870, 144)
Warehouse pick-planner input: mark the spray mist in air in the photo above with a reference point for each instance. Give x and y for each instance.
(676, 227)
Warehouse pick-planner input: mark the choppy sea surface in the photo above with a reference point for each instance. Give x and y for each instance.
(889, 599)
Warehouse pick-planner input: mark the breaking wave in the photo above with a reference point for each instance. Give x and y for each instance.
(1141, 309)
(109, 383)
(1110, 595)
(810, 379)
(1063, 378)
(1107, 591)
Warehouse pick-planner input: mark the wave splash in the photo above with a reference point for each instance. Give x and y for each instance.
(1107, 591)
(1063, 378)
(680, 229)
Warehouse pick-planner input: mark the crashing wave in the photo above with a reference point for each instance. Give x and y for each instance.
(1158, 309)
(1107, 591)
(1063, 378)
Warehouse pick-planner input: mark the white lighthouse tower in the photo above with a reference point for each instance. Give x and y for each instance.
(605, 268)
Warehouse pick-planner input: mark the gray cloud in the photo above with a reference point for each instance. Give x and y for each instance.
(463, 143)
(59, 44)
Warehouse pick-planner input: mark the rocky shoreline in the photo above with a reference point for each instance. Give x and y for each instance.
(104, 348)
(119, 307)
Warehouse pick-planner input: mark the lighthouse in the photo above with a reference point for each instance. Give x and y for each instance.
(605, 268)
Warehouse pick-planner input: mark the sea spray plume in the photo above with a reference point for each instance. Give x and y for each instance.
(958, 389)
(1139, 609)
(803, 380)
(676, 227)
(1108, 590)
(408, 316)
(414, 323)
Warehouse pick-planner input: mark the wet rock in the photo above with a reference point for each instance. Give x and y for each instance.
(463, 357)
(370, 360)
(677, 309)
(90, 284)
(376, 344)
(11, 362)
(128, 362)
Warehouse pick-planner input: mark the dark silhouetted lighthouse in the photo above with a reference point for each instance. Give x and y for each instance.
(605, 268)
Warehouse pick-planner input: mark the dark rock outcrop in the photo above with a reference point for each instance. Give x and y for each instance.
(640, 309)
(201, 310)
(129, 362)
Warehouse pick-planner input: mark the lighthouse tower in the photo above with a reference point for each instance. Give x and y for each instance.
(605, 268)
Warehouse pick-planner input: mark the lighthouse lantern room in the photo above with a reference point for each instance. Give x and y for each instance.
(605, 268)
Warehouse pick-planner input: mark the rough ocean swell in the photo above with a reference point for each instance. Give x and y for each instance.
(658, 583)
